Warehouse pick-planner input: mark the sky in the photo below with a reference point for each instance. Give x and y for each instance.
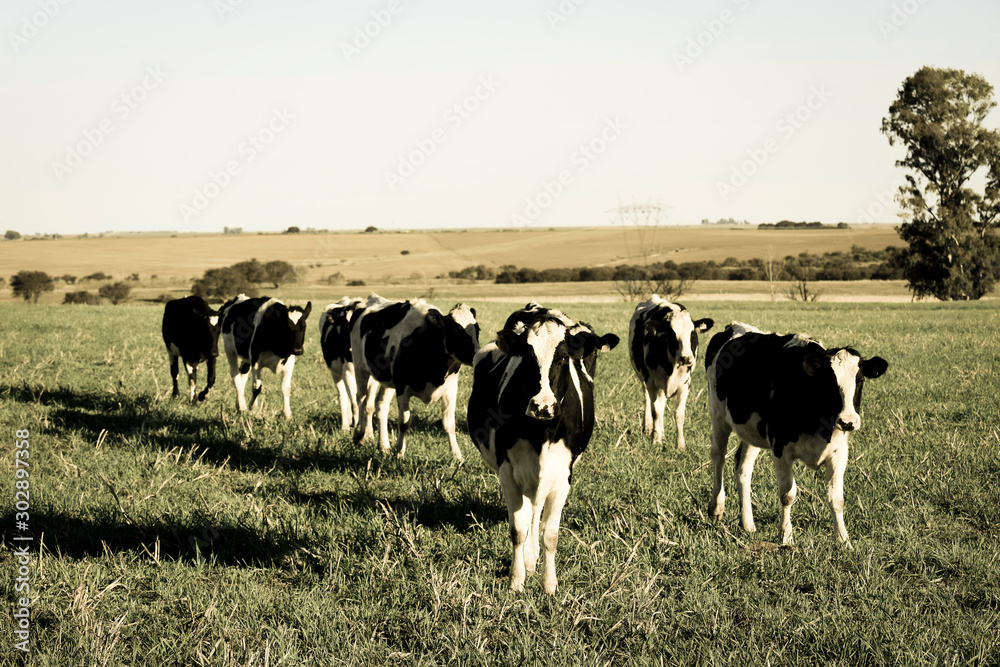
(195, 115)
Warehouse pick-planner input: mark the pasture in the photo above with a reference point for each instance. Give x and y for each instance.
(173, 534)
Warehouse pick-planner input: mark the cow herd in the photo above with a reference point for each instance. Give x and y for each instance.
(531, 409)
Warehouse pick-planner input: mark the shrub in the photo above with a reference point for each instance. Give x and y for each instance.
(83, 297)
(355, 283)
(100, 275)
(115, 292)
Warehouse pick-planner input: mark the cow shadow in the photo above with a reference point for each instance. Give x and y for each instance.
(189, 540)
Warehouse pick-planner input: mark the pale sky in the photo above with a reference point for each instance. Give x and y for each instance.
(195, 115)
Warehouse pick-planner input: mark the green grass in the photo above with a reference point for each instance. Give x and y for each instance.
(187, 535)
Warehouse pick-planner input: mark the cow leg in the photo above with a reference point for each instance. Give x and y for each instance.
(787, 491)
(192, 373)
(352, 390)
(239, 375)
(368, 388)
(720, 440)
(286, 386)
(403, 422)
(255, 383)
(835, 466)
(173, 373)
(659, 407)
(519, 516)
(558, 459)
(679, 411)
(647, 422)
(746, 457)
(384, 404)
(211, 379)
(448, 400)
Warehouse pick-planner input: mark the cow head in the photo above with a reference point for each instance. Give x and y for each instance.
(673, 330)
(549, 344)
(297, 326)
(839, 375)
(461, 331)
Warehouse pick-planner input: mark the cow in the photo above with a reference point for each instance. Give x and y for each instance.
(262, 333)
(531, 415)
(410, 349)
(663, 347)
(191, 332)
(791, 395)
(335, 339)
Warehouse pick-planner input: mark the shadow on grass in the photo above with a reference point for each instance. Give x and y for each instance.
(185, 541)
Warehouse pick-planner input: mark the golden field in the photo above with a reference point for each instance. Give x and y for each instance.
(378, 256)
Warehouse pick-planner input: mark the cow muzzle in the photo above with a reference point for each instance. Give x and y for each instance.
(543, 407)
(848, 423)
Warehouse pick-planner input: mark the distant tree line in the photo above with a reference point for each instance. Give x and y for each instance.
(243, 277)
(788, 224)
(857, 264)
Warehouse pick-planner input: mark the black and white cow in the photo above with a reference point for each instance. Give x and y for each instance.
(191, 332)
(788, 394)
(663, 347)
(335, 338)
(262, 333)
(410, 349)
(531, 414)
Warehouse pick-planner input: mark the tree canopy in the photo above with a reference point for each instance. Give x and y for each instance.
(954, 252)
(30, 284)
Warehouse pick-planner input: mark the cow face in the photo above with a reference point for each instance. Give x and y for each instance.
(840, 374)
(548, 350)
(211, 331)
(297, 327)
(677, 334)
(461, 338)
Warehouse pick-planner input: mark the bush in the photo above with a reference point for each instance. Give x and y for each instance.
(115, 292)
(11, 235)
(355, 283)
(100, 275)
(83, 297)
(68, 279)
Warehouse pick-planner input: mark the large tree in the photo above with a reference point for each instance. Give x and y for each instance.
(31, 284)
(954, 251)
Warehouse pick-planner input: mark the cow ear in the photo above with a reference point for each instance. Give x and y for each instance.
(473, 311)
(811, 364)
(874, 367)
(607, 342)
(581, 344)
(509, 342)
(703, 325)
(307, 309)
(435, 318)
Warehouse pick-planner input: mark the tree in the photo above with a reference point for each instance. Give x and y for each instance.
(222, 283)
(30, 284)
(279, 271)
(292, 230)
(115, 292)
(11, 235)
(954, 251)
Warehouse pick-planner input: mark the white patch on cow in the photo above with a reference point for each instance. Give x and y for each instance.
(845, 368)
(543, 341)
(295, 316)
(213, 320)
(259, 315)
(462, 314)
(575, 378)
(508, 373)
(799, 340)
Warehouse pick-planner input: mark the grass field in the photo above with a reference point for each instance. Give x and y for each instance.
(378, 257)
(186, 535)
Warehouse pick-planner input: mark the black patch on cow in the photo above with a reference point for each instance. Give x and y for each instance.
(275, 332)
